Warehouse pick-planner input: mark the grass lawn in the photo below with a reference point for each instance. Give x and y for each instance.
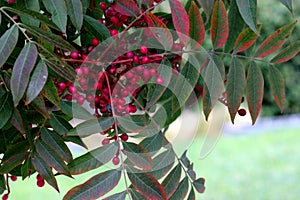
(262, 166)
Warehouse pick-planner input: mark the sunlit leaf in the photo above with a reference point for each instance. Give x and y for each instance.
(181, 191)
(135, 195)
(93, 159)
(8, 42)
(197, 29)
(75, 11)
(247, 9)
(21, 71)
(180, 20)
(95, 187)
(236, 84)
(255, 90)
(219, 25)
(277, 86)
(37, 81)
(287, 53)
(147, 185)
(171, 182)
(275, 40)
(58, 11)
(163, 163)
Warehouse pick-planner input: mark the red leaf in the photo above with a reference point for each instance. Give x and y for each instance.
(148, 186)
(164, 36)
(277, 86)
(197, 29)
(275, 41)
(287, 53)
(219, 25)
(236, 82)
(245, 40)
(126, 7)
(180, 20)
(255, 90)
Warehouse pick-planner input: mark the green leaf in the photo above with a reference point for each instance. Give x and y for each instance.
(255, 90)
(6, 108)
(245, 40)
(51, 157)
(192, 195)
(199, 185)
(62, 69)
(17, 121)
(219, 25)
(163, 163)
(58, 11)
(49, 37)
(185, 160)
(44, 170)
(287, 53)
(181, 191)
(207, 6)
(288, 4)
(31, 5)
(39, 105)
(213, 86)
(236, 84)
(21, 71)
(147, 185)
(277, 86)
(51, 93)
(2, 182)
(135, 195)
(139, 156)
(118, 196)
(247, 9)
(56, 143)
(93, 159)
(95, 187)
(98, 29)
(37, 81)
(60, 125)
(92, 126)
(8, 43)
(154, 143)
(275, 40)
(180, 20)
(74, 110)
(171, 182)
(75, 12)
(197, 29)
(236, 25)
(12, 162)
(33, 15)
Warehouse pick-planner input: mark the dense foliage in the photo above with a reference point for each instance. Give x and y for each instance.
(127, 71)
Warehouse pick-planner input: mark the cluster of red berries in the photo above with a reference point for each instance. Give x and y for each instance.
(40, 181)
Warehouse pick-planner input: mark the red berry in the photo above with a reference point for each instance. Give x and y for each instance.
(129, 54)
(39, 177)
(11, 1)
(114, 20)
(74, 54)
(5, 197)
(242, 112)
(40, 183)
(68, 97)
(62, 86)
(72, 89)
(13, 178)
(160, 80)
(85, 70)
(145, 59)
(144, 50)
(82, 81)
(102, 5)
(79, 71)
(105, 142)
(131, 108)
(114, 32)
(135, 59)
(124, 137)
(116, 160)
(80, 99)
(95, 42)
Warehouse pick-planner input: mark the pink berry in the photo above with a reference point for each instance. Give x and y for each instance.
(72, 89)
(160, 80)
(40, 183)
(82, 81)
(136, 59)
(102, 5)
(11, 1)
(79, 71)
(153, 72)
(74, 54)
(145, 59)
(62, 86)
(129, 54)
(144, 50)
(105, 142)
(116, 160)
(95, 42)
(13, 178)
(80, 100)
(124, 137)
(5, 197)
(114, 32)
(85, 70)
(131, 108)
